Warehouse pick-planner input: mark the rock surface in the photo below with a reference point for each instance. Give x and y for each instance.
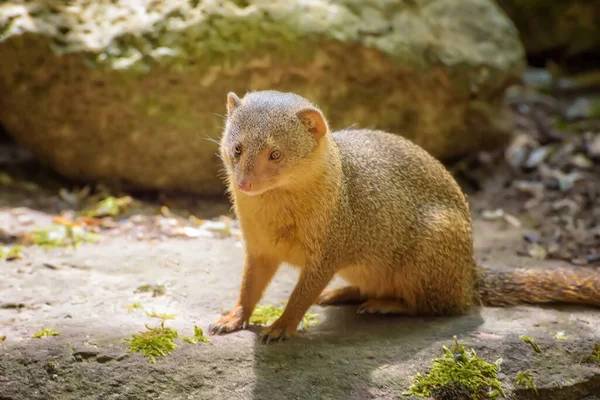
(561, 30)
(114, 90)
(82, 294)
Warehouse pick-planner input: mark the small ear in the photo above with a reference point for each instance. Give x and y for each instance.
(233, 102)
(314, 121)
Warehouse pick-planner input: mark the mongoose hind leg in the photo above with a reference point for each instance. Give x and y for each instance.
(341, 296)
(383, 306)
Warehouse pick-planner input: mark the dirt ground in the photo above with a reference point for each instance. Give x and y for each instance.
(82, 293)
(524, 214)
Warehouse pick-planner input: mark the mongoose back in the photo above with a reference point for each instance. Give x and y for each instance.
(369, 206)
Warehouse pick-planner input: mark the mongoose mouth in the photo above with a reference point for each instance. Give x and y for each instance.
(251, 191)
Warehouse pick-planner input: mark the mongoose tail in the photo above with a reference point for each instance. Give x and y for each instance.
(573, 285)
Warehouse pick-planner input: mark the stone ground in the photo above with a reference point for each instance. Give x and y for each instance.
(82, 294)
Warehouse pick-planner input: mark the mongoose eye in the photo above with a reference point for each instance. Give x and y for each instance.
(275, 154)
(237, 150)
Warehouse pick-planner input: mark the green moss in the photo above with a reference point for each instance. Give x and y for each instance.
(526, 379)
(52, 368)
(560, 336)
(530, 341)
(198, 336)
(157, 290)
(5, 179)
(594, 356)
(135, 306)
(595, 110)
(164, 317)
(14, 253)
(267, 314)
(109, 207)
(60, 236)
(44, 333)
(459, 371)
(155, 342)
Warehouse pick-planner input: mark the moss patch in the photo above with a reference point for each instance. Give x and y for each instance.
(155, 342)
(533, 344)
(109, 207)
(526, 379)
(59, 236)
(198, 336)
(156, 290)
(459, 372)
(45, 333)
(135, 306)
(267, 314)
(14, 253)
(163, 316)
(594, 356)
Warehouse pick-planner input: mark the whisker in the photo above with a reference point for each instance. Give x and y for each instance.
(220, 115)
(212, 140)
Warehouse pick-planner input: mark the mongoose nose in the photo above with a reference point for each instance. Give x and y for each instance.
(244, 185)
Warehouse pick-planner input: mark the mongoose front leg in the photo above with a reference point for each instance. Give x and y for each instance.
(313, 280)
(258, 272)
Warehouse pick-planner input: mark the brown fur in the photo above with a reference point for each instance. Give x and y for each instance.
(369, 206)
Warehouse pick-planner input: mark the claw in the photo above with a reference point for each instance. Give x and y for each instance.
(362, 310)
(211, 329)
(221, 330)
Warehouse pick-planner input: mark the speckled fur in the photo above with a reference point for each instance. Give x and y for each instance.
(370, 206)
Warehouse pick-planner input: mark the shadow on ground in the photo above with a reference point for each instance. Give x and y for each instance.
(347, 356)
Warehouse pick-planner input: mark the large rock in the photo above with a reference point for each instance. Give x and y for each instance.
(563, 30)
(129, 90)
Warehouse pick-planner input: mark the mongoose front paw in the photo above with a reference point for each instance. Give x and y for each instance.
(278, 331)
(233, 321)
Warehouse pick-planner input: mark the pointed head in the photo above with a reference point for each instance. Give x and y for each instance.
(270, 137)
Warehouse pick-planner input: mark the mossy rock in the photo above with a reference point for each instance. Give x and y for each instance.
(562, 30)
(102, 90)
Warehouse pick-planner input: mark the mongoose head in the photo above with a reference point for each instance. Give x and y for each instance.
(269, 138)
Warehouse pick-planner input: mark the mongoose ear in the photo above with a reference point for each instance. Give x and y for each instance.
(314, 121)
(233, 102)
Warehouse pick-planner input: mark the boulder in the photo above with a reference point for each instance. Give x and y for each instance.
(563, 30)
(132, 90)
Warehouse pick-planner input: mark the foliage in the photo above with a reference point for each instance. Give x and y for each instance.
(267, 314)
(155, 342)
(44, 333)
(135, 306)
(14, 253)
(526, 379)
(163, 316)
(198, 336)
(594, 356)
(59, 236)
(109, 207)
(459, 372)
(530, 341)
(157, 290)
